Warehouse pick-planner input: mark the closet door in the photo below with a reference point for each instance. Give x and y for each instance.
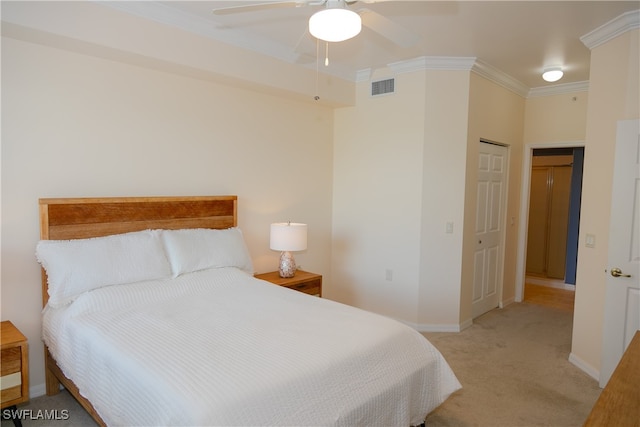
(560, 192)
(538, 213)
(548, 221)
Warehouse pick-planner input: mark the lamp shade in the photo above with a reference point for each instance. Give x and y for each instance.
(335, 25)
(288, 236)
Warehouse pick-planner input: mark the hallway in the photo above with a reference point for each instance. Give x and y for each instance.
(549, 296)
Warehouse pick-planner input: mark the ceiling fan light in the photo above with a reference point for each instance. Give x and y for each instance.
(335, 25)
(552, 74)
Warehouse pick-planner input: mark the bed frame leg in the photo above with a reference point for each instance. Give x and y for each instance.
(51, 381)
(52, 384)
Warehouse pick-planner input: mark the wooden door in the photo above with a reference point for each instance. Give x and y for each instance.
(622, 302)
(489, 232)
(538, 219)
(558, 222)
(549, 201)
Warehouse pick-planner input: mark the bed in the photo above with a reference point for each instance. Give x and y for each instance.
(152, 316)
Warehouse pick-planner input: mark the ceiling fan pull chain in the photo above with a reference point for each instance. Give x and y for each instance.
(317, 97)
(326, 55)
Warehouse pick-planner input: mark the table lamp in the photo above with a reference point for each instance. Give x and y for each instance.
(288, 237)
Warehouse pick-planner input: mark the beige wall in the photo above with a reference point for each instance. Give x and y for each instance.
(77, 126)
(556, 118)
(377, 174)
(590, 119)
(613, 96)
(444, 162)
(404, 166)
(495, 114)
(550, 121)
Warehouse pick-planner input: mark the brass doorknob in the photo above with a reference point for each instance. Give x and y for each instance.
(616, 272)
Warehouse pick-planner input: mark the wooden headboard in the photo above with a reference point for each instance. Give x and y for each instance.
(80, 218)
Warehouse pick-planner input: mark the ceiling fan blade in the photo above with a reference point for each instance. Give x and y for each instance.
(257, 7)
(387, 28)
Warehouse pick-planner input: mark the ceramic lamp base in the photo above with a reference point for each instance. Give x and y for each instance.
(287, 266)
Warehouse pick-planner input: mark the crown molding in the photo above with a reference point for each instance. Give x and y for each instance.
(422, 63)
(558, 89)
(450, 63)
(490, 73)
(363, 75)
(626, 22)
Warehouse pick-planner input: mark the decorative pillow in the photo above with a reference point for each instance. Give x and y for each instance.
(200, 248)
(77, 266)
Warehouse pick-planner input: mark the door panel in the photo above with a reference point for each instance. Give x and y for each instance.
(490, 205)
(492, 274)
(478, 277)
(481, 210)
(622, 301)
(548, 221)
(496, 203)
(538, 208)
(559, 222)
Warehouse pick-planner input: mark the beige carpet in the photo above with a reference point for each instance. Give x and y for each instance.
(514, 369)
(512, 364)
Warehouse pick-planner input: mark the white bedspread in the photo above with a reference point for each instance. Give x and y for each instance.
(219, 347)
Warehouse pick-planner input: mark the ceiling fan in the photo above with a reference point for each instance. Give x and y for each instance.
(336, 22)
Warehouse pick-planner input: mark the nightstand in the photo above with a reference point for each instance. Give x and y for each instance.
(303, 281)
(14, 383)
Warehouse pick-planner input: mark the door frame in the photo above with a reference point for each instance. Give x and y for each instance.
(523, 222)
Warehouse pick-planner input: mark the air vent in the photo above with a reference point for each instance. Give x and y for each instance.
(382, 87)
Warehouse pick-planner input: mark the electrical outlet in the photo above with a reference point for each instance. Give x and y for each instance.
(388, 275)
(449, 228)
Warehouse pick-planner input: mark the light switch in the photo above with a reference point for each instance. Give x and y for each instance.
(590, 241)
(449, 228)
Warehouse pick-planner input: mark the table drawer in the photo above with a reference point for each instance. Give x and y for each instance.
(312, 287)
(11, 378)
(11, 360)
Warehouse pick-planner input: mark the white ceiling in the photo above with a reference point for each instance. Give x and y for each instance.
(518, 38)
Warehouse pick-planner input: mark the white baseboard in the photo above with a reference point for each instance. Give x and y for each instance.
(464, 325)
(506, 302)
(37, 390)
(433, 327)
(429, 327)
(437, 328)
(585, 367)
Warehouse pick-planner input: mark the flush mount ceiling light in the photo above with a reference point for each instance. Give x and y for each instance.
(335, 24)
(552, 74)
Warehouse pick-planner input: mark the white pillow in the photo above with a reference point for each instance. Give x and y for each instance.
(77, 266)
(201, 248)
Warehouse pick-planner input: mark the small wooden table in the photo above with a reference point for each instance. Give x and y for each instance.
(303, 281)
(14, 367)
(619, 402)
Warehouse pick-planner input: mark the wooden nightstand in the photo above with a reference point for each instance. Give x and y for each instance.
(14, 366)
(303, 281)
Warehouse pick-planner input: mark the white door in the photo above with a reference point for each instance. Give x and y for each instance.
(622, 303)
(489, 233)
